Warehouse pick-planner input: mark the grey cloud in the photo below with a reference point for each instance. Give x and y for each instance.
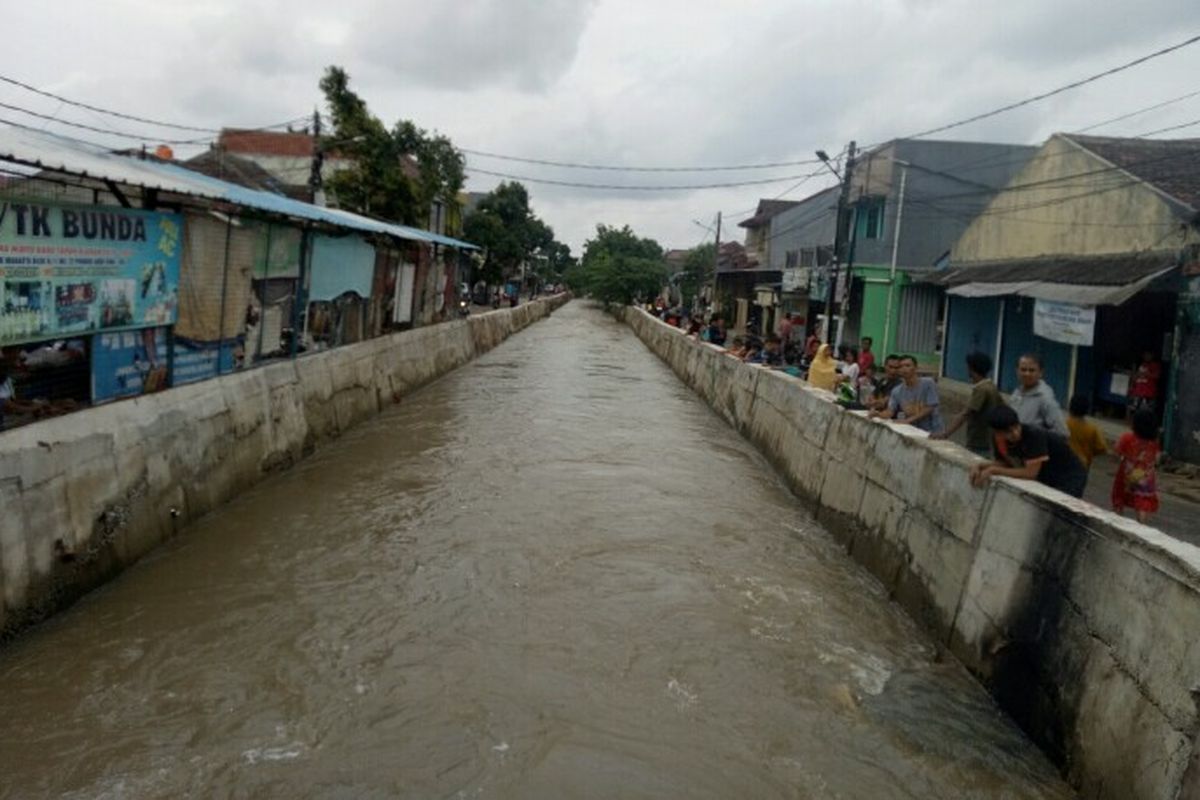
(523, 44)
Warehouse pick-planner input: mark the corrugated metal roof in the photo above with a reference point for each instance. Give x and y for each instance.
(1083, 280)
(1107, 270)
(72, 157)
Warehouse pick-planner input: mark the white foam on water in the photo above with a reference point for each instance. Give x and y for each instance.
(501, 748)
(288, 752)
(870, 672)
(682, 694)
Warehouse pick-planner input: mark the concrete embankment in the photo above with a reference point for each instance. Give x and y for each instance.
(85, 495)
(1082, 624)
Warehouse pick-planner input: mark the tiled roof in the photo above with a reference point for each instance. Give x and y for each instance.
(217, 163)
(766, 210)
(266, 143)
(1170, 165)
(733, 258)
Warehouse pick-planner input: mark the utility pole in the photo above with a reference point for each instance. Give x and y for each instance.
(318, 158)
(712, 300)
(839, 241)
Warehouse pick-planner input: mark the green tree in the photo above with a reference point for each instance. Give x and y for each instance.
(508, 230)
(558, 260)
(376, 182)
(697, 270)
(618, 266)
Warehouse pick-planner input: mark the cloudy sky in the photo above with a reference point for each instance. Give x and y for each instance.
(668, 83)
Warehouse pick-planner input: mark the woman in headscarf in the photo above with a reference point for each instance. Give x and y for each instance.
(823, 371)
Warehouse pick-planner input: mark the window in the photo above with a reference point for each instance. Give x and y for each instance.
(808, 257)
(791, 259)
(869, 218)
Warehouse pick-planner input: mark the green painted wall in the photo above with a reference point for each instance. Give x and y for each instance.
(876, 280)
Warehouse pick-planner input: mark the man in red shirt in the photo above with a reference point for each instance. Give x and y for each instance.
(866, 359)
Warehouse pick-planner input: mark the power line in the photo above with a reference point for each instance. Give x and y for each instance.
(1138, 112)
(118, 114)
(1169, 128)
(1067, 87)
(618, 168)
(94, 129)
(621, 187)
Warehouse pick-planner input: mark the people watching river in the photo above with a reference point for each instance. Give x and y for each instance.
(984, 397)
(1085, 439)
(822, 373)
(914, 401)
(1034, 400)
(1029, 452)
(1135, 485)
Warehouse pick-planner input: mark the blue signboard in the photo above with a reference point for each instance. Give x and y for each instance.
(128, 363)
(199, 361)
(66, 270)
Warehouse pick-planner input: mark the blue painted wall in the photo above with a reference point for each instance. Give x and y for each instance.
(1056, 357)
(972, 326)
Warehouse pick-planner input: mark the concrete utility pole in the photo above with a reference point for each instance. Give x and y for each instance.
(318, 157)
(839, 241)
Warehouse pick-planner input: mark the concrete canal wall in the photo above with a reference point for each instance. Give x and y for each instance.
(85, 495)
(1083, 625)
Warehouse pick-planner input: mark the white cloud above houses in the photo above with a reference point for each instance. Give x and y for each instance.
(669, 83)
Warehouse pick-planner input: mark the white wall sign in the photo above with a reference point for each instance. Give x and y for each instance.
(1064, 322)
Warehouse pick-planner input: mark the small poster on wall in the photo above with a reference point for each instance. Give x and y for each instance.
(1064, 322)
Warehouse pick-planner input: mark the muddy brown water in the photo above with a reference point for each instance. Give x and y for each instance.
(554, 573)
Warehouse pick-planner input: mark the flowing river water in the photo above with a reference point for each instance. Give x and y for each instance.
(554, 573)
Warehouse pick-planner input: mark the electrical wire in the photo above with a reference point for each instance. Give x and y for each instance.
(617, 168)
(1064, 88)
(644, 188)
(95, 129)
(121, 115)
(1169, 128)
(1139, 111)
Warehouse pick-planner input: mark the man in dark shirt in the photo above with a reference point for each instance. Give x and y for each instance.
(885, 383)
(1030, 453)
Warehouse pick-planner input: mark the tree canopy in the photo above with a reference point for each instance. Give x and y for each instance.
(697, 270)
(508, 230)
(377, 183)
(618, 266)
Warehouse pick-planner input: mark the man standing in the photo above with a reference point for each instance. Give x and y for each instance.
(1034, 400)
(984, 397)
(1030, 453)
(785, 329)
(866, 359)
(914, 401)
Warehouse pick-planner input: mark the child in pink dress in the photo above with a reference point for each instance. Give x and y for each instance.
(1135, 485)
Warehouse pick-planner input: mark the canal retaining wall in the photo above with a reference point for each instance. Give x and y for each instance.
(1082, 624)
(85, 495)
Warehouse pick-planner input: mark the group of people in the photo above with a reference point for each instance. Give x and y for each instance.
(1026, 436)
(1030, 438)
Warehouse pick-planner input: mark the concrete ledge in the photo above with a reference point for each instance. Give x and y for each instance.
(86, 495)
(1081, 623)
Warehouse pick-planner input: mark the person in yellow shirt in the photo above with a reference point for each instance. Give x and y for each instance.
(1086, 439)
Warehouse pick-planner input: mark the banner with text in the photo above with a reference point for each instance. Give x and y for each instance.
(128, 363)
(1064, 322)
(66, 270)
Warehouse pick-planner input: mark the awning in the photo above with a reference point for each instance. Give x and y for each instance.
(73, 157)
(1094, 281)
